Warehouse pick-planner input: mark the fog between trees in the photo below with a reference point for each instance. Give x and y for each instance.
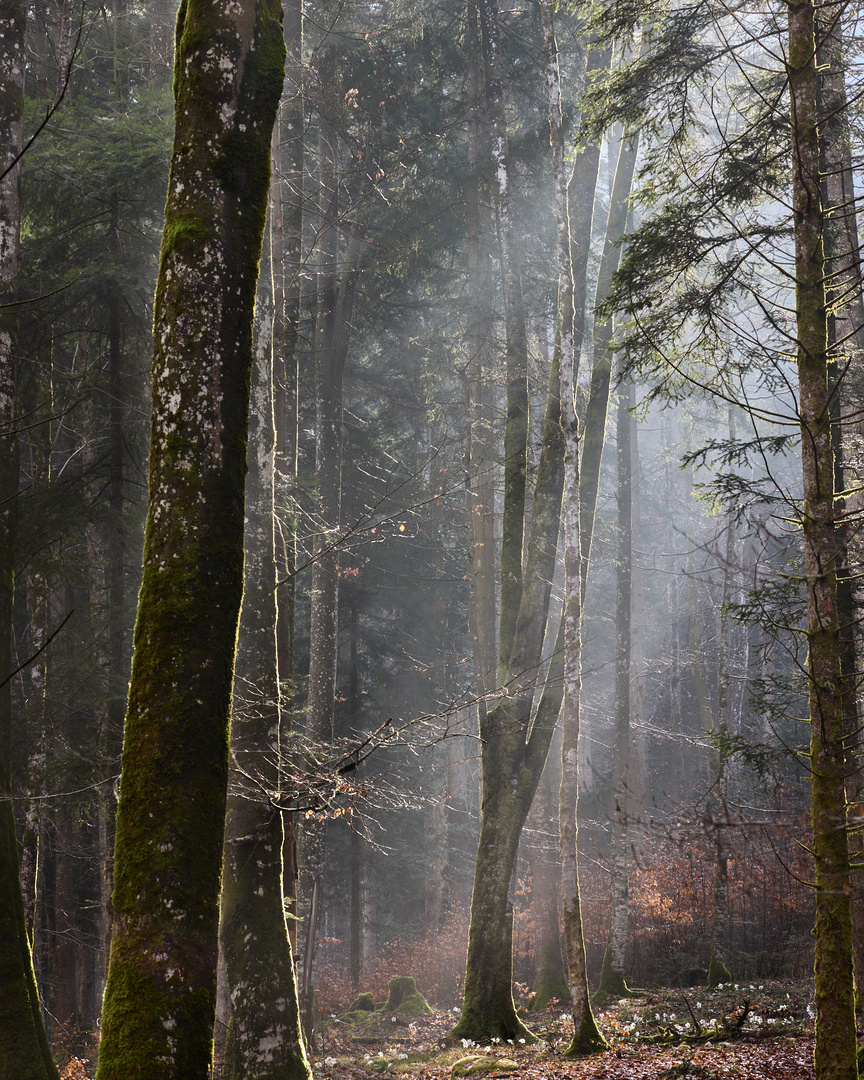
(504, 449)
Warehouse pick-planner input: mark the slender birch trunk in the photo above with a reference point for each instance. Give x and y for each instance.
(158, 1016)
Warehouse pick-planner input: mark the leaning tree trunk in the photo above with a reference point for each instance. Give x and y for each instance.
(265, 1041)
(160, 998)
(24, 1051)
(835, 1049)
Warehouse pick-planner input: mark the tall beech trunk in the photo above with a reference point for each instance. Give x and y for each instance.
(594, 434)
(265, 1041)
(573, 219)
(481, 446)
(835, 1049)
(24, 1052)
(612, 982)
(159, 1004)
(286, 238)
(513, 749)
(550, 980)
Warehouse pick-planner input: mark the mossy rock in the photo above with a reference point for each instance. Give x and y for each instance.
(482, 1064)
(363, 1003)
(356, 1016)
(404, 999)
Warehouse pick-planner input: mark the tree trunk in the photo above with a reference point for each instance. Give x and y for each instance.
(566, 668)
(594, 434)
(160, 998)
(550, 980)
(481, 449)
(265, 1040)
(846, 347)
(24, 1052)
(835, 1050)
(718, 807)
(612, 982)
(286, 230)
(513, 750)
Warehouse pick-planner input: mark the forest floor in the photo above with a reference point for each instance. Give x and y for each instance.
(750, 1031)
(758, 1031)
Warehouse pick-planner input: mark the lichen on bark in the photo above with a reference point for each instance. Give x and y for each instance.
(160, 996)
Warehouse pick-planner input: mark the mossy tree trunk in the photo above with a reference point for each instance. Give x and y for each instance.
(160, 998)
(513, 749)
(24, 1052)
(835, 1049)
(265, 1041)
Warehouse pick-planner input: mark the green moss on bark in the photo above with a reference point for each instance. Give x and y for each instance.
(160, 997)
(612, 982)
(404, 999)
(717, 973)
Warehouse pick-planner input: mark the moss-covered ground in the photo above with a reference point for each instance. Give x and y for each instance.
(666, 1033)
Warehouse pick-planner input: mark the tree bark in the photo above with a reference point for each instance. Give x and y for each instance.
(160, 998)
(846, 347)
(567, 661)
(835, 1049)
(265, 1038)
(24, 1051)
(513, 749)
(612, 983)
(594, 434)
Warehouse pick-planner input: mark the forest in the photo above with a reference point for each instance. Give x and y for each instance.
(431, 471)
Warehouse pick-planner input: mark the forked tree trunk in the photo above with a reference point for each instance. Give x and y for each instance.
(159, 1004)
(513, 750)
(835, 1049)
